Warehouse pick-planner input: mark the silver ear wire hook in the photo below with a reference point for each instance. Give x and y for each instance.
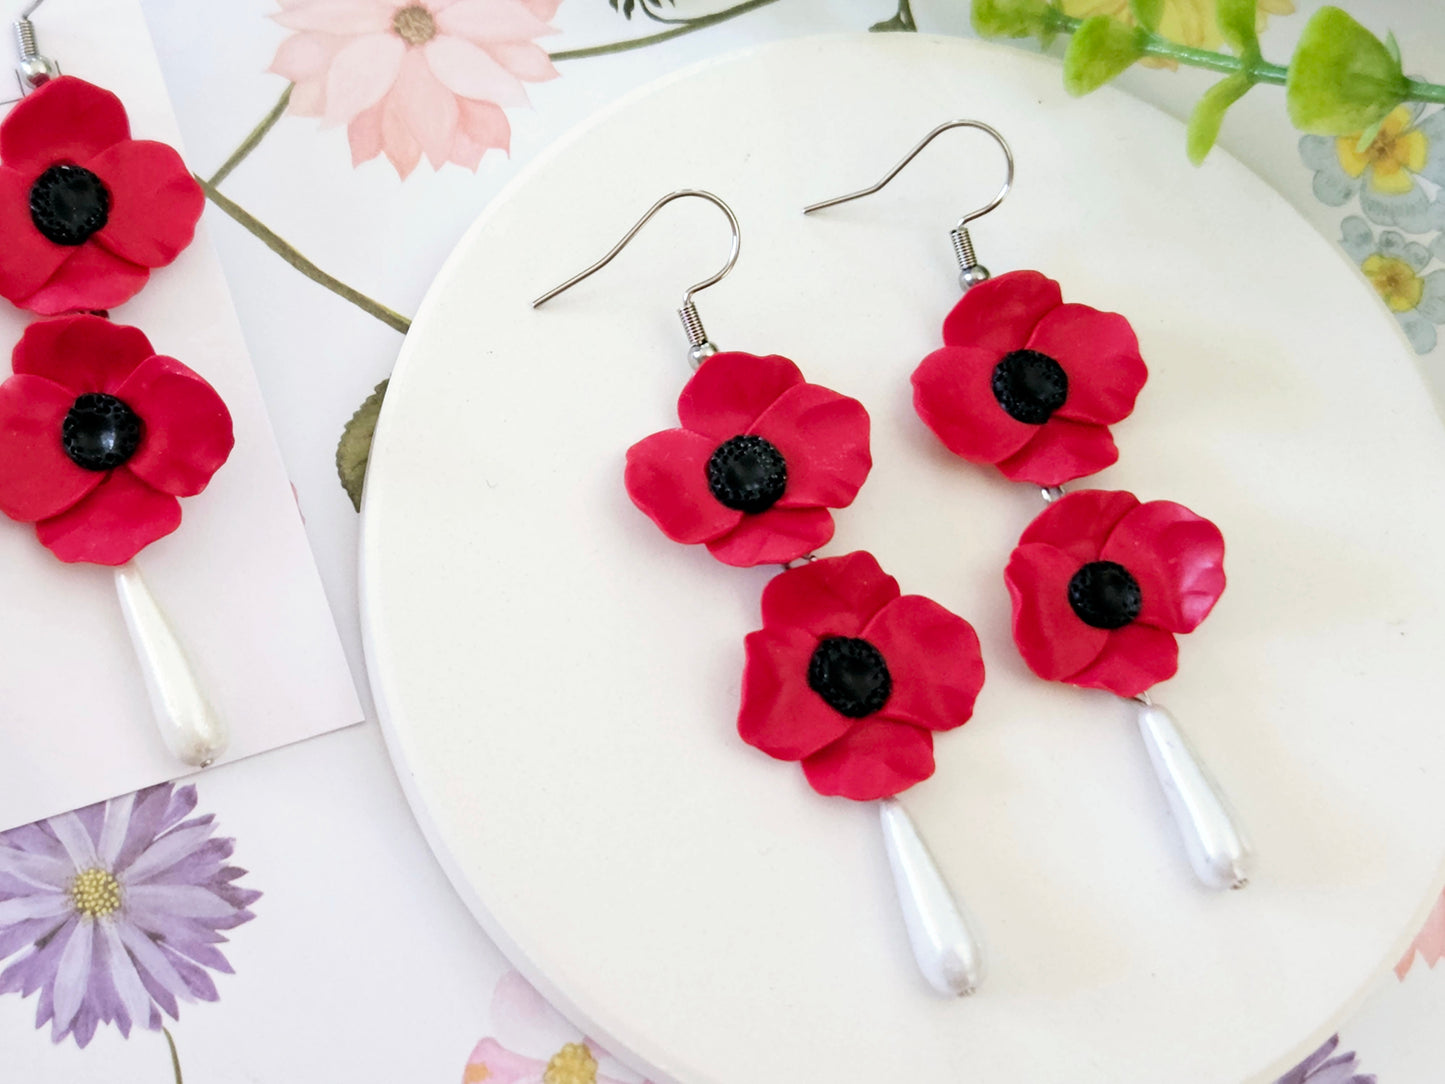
(699, 347)
(971, 272)
(34, 69)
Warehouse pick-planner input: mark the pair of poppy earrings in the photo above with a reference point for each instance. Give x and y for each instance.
(851, 677)
(100, 436)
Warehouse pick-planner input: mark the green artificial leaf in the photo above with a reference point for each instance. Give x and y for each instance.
(1237, 20)
(1147, 13)
(1342, 77)
(1392, 46)
(1101, 49)
(1368, 136)
(1209, 113)
(1009, 18)
(354, 450)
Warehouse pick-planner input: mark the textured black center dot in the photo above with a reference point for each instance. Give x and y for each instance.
(68, 204)
(850, 675)
(100, 432)
(747, 473)
(1105, 595)
(1030, 386)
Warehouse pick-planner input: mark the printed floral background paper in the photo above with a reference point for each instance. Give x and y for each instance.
(347, 144)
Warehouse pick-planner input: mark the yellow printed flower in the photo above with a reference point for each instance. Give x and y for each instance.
(1395, 281)
(1386, 172)
(1189, 22)
(1398, 270)
(1397, 151)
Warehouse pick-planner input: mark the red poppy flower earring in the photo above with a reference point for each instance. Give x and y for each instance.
(848, 675)
(100, 435)
(1101, 583)
(86, 211)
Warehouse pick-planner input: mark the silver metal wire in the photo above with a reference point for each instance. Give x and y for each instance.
(971, 272)
(914, 153)
(25, 37)
(711, 280)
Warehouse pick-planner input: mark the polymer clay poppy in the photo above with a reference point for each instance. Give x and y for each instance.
(760, 457)
(86, 212)
(1028, 383)
(1102, 583)
(99, 435)
(852, 677)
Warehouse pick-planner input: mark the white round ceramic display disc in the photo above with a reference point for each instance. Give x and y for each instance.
(559, 682)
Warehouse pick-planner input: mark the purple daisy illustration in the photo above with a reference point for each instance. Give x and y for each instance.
(1324, 1066)
(113, 912)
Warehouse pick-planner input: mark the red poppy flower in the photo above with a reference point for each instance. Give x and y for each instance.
(1101, 583)
(760, 458)
(1028, 383)
(85, 210)
(99, 435)
(852, 678)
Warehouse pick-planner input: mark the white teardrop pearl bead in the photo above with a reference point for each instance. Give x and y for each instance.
(192, 731)
(948, 953)
(1217, 849)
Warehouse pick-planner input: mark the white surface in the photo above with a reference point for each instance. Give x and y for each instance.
(560, 681)
(237, 579)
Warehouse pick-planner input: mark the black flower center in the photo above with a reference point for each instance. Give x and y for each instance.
(850, 675)
(1105, 595)
(100, 432)
(1030, 386)
(747, 473)
(68, 204)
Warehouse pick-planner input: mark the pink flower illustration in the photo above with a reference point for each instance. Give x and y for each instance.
(551, 1051)
(1430, 943)
(415, 77)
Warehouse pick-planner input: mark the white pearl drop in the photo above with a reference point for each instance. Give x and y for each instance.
(192, 731)
(948, 953)
(1218, 851)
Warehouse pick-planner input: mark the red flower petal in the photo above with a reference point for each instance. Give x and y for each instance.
(823, 436)
(780, 713)
(119, 519)
(92, 278)
(934, 660)
(1080, 523)
(1060, 452)
(66, 120)
(29, 259)
(83, 353)
(187, 428)
(876, 759)
(774, 537)
(1177, 558)
(1100, 354)
(833, 596)
(731, 390)
(1052, 640)
(155, 202)
(1135, 658)
(37, 478)
(1000, 314)
(953, 394)
(666, 478)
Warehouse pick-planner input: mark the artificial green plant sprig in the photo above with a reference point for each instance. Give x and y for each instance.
(1341, 80)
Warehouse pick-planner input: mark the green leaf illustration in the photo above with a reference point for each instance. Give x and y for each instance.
(1209, 113)
(354, 450)
(1101, 49)
(1147, 13)
(1342, 77)
(1009, 18)
(1237, 20)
